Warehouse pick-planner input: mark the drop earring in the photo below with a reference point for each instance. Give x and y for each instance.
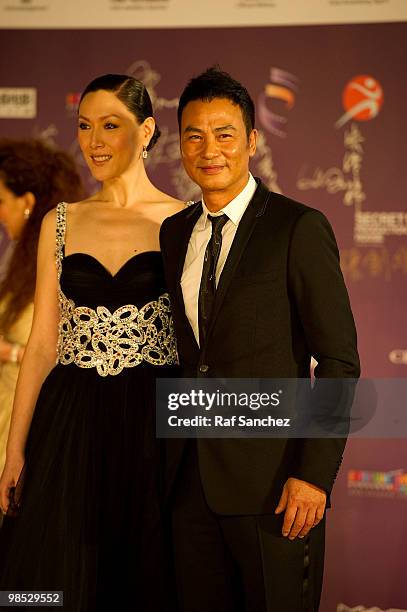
(27, 213)
(144, 154)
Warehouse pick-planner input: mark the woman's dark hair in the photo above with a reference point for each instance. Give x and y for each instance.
(214, 83)
(51, 176)
(131, 92)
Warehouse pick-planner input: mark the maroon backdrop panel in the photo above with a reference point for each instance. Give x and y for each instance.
(331, 115)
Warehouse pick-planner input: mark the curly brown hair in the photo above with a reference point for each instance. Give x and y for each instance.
(51, 176)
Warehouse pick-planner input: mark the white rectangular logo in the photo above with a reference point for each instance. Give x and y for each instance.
(18, 103)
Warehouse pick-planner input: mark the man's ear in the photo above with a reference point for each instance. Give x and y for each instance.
(252, 142)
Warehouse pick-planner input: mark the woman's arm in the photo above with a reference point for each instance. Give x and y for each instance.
(39, 357)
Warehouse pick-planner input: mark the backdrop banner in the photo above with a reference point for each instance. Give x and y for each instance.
(332, 133)
(189, 13)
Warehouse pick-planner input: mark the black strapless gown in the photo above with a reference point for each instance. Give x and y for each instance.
(89, 522)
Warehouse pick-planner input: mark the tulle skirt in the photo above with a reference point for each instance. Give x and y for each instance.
(89, 522)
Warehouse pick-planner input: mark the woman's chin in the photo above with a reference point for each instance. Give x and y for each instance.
(103, 174)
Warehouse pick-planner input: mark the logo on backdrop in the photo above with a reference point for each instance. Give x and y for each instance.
(279, 92)
(72, 102)
(18, 103)
(367, 483)
(283, 86)
(362, 100)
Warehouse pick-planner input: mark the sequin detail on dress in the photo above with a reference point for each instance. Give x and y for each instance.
(112, 341)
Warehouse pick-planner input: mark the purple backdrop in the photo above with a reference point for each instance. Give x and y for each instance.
(347, 167)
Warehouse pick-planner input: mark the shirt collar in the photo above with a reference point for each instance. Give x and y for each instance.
(236, 207)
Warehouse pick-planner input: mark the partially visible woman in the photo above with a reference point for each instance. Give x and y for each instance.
(33, 179)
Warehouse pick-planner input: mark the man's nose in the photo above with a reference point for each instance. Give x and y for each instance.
(210, 148)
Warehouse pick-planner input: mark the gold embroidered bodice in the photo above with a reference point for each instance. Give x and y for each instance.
(106, 339)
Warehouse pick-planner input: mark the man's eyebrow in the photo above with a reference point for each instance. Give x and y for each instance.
(191, 128)
(225, 127)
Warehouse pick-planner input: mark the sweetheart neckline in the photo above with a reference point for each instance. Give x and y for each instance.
(104, 267)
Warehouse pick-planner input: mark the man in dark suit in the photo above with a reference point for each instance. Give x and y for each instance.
(256, 290)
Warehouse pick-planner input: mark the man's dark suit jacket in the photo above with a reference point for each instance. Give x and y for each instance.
(281, 299)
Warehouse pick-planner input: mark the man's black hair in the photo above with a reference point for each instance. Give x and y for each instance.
(214, 83)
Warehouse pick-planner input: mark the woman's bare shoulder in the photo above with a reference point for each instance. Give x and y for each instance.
(49, 220)
(170, 204)
(175, 206)
(82, 206)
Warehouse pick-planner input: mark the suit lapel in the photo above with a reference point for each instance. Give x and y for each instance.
(254, 210)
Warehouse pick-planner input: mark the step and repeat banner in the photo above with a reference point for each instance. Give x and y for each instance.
(122, 14)
(328, 80)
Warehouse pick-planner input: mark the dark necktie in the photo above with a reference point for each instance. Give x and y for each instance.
(207, 288)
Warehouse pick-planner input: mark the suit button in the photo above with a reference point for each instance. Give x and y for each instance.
(203, 368)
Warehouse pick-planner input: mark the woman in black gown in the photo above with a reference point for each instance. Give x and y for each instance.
(82, 468)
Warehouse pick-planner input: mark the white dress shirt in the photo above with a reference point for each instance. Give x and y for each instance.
(201, 234)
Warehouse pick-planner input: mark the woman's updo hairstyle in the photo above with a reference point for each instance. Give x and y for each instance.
(131, 92)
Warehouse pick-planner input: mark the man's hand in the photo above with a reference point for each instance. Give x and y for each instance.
(304, 506)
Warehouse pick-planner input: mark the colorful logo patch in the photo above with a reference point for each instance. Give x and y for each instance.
(362, 99)
(384, 484)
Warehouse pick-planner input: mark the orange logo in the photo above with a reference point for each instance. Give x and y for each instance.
(283, 86)
(362, 99)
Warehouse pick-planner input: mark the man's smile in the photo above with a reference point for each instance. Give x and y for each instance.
(211, 169)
